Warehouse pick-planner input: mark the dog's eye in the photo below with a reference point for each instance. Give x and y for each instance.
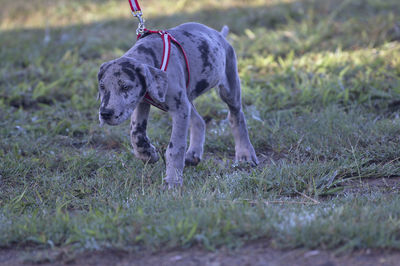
(124, 87)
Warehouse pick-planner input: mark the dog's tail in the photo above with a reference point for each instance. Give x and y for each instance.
(225, 31)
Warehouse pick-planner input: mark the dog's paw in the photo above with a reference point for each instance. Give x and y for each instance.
(173, 182)
(149, 155)
(246, 156)
(192, 158)
(173, 178)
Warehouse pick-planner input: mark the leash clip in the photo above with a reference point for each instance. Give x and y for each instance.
(141, 27)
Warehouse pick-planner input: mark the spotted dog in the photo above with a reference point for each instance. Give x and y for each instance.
(123, 82)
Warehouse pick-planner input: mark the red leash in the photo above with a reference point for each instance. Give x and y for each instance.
(134, 6)
(166, 38)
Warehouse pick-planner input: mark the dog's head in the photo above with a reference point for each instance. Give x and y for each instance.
(122, 84)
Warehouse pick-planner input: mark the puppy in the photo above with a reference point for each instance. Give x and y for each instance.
(123, 83)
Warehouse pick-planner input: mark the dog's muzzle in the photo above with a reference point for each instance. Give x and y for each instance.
(106, 114)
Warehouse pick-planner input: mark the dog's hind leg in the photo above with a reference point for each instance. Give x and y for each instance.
(142, 147)
(230, 92)
(197, 134)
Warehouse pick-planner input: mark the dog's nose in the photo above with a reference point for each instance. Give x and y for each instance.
(106, 113)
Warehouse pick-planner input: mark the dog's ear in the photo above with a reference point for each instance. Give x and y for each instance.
(157, 83)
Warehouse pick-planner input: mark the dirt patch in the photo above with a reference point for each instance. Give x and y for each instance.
(252, 254)
(365, 185)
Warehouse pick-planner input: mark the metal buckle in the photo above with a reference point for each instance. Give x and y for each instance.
(141, 27)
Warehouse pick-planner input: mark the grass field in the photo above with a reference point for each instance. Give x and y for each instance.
(321, 92)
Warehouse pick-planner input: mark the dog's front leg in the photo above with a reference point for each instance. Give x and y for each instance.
(142, 147)
(175, 154)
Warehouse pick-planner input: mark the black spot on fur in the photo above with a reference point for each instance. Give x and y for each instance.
(141, 128)
(149, 51)
(147, 153)
(142, 81)
(117, 74)
(216, 50)
(132, 125)
(200, 87)
(189, 35)
(178, 101)
(128, 69)
(205, 51)
(106, 99)
(142, 142)
(129, 72)
(234, 110)
(171, 145)
(230, 74)
(103, 71)
(127, 65)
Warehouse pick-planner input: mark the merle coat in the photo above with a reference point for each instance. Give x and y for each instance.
(124, 81)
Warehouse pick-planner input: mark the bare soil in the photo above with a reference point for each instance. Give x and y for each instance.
(381, 184)
(253, 254)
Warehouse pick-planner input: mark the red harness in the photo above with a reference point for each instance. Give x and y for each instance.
(166, 38)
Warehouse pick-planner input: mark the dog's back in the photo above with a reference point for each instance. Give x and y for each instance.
(206, 50)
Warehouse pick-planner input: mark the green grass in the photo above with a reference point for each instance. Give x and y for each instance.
(321, 93)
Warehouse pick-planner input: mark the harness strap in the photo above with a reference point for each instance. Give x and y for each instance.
(166, 51)
(166, 38)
